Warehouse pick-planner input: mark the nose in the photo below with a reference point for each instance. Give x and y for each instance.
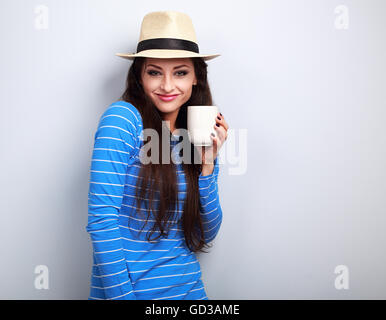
(167, 83)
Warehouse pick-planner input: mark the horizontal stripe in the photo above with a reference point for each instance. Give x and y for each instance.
(179, 295)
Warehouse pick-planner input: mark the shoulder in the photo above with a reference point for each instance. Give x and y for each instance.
(121, 120)
(126, 111)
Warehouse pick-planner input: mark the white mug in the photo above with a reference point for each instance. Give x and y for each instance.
(201, 122)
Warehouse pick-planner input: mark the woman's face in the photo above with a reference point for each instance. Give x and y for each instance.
(168, 77)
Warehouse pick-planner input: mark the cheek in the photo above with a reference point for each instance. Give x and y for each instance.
(187, 93)
(186, 86)
(150, 87)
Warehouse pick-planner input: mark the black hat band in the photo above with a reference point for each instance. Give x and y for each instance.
(167, 43)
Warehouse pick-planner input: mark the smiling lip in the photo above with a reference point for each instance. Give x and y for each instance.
(167, 97)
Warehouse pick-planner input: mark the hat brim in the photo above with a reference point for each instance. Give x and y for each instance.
(166, 53)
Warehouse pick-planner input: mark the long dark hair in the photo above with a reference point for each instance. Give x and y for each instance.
(161, 178)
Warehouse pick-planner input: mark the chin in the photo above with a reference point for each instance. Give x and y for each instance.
(167, 107)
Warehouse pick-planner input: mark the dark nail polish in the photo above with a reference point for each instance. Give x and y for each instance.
(220, 114)
(212, 134)
(219, 118)
(217, 125)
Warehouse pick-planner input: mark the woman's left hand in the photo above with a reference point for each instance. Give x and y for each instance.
(209, 154)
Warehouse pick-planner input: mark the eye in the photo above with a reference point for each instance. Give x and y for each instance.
(151, 72)
(182, 73)
(179, 73)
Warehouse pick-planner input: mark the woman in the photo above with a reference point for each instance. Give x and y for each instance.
(147, 221)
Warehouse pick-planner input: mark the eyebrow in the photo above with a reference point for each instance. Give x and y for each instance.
(153, 65)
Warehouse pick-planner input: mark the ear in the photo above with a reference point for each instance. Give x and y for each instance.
(195, 80)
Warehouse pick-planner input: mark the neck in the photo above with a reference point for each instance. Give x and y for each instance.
(170, 119)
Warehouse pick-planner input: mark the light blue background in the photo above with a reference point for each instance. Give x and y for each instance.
(312, 98)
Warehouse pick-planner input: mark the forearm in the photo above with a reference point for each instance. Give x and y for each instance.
(210, 209)
(110, 260)
(115, 144)
(207, 169)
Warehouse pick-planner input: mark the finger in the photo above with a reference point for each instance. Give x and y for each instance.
(221, 132)
(222, 125)
(221, 121)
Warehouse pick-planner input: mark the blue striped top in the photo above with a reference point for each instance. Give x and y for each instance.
(125, 265)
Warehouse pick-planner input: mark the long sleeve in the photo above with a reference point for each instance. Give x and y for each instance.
(116, 142)
(210, 208)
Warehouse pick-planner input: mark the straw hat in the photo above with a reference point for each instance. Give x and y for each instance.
(167, 34)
